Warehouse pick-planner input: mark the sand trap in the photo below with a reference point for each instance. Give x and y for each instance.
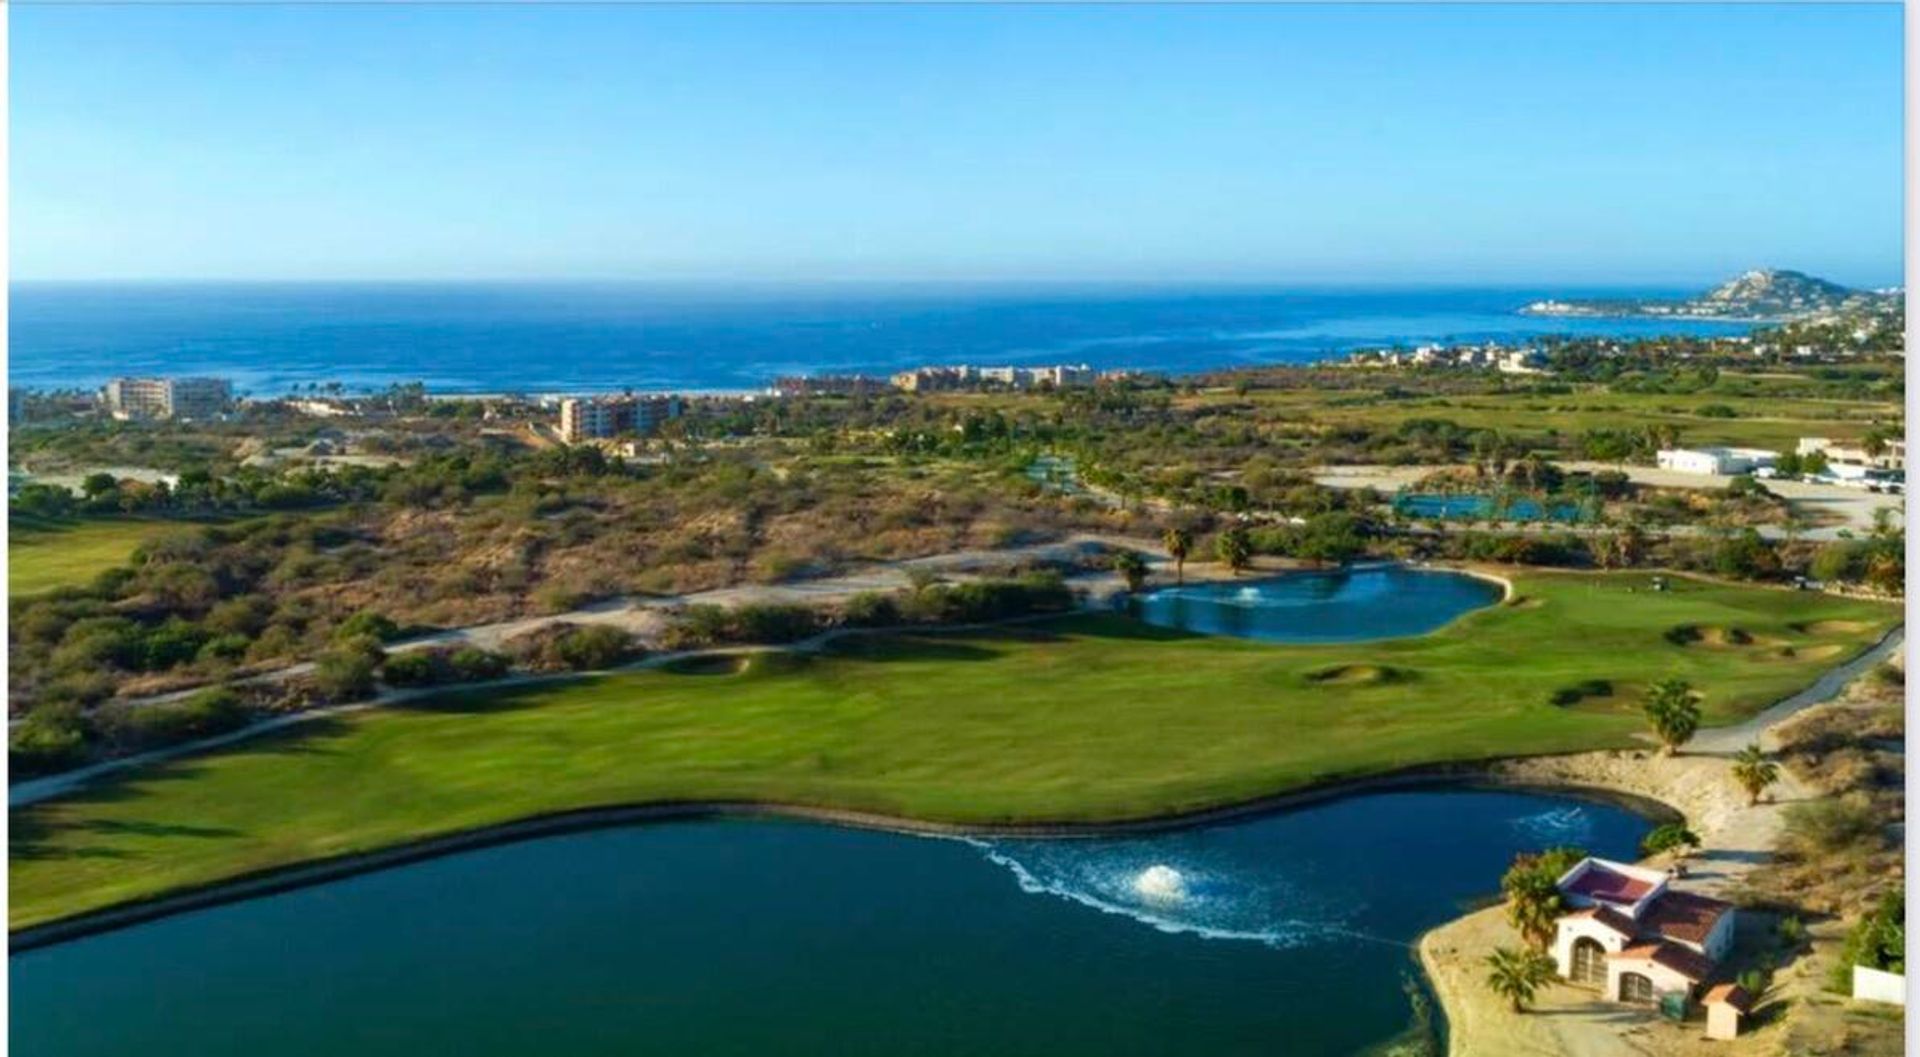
(1831, 627)
(1710, 636)
(1358, 675)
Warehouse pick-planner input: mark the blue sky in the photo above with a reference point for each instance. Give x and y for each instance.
(1642, 143)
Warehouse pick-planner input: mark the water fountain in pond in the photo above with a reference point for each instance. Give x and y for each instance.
(1160, 884)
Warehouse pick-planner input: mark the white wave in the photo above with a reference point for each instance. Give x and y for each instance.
(1560, 826)
(1111, 889)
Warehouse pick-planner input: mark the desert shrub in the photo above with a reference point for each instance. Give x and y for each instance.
(366, 622)
(417, 668)
(1877, 941)
(593, 646)
(1671, 836)
(871, 609)
(470, 664)
(707, 625)
(346, 671)
(985, 600)
(226, 648)
(1831, 824)
(51, 738)
(204, 714)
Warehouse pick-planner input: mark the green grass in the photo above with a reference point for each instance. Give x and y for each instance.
(1767, 422)
(1085, 718)
(43, 555)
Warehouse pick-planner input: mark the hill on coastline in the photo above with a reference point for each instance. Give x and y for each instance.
(1761, 294)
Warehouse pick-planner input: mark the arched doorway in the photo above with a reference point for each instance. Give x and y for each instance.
(1589, 962)
(1636, 989)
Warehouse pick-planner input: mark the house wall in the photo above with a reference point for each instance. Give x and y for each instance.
(1720, 940)
(1571, 929)
(1723, 1021)
(1877, 986)
(1665, 980)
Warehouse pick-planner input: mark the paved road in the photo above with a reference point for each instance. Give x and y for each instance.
(1731, 739)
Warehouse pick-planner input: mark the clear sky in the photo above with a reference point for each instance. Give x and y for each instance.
(1644, 143)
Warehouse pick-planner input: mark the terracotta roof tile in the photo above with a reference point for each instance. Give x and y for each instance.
(1732, 994)
(1683, 916)
(1598, 882)
(1608, 917)
(1695, 967)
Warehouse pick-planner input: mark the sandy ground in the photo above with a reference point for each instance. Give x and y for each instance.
(1848, 508)
(1575, 1021)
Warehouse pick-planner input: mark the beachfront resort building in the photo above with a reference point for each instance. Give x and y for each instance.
(967, 376)
(598, 417)
(1715, 462)
(142, 399)
(1635, 936)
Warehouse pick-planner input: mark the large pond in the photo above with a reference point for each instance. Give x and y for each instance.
(1342, 605)
(1284, 933)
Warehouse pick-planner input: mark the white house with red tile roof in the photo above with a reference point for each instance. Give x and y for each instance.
(1631, 933)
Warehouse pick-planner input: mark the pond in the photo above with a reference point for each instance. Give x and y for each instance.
(1353, 604)
(1280, 933)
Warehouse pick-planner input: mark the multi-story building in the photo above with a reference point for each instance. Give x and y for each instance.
(1892, 456)
(594, 417)
(827, 385)
(168, 398)
(927, 379)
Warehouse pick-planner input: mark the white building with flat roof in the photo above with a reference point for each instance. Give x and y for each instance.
(1714, 462)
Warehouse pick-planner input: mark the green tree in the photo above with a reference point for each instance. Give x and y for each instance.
(1179, 543)
(1517, 974)
(1133, 568)
(1670, 836)
(367, 622)
(1674, 713)
(1531, 887)
(1234, 549)
(1754, 771)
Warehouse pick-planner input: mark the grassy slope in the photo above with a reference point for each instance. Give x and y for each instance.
(1770, 422)
(1092, 718)
(44, 555)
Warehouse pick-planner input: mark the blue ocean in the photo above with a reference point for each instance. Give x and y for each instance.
(554, 337)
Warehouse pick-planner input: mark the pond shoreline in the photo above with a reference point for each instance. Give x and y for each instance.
(1483, 775)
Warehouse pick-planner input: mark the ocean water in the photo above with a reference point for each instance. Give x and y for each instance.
(551, 337)
(1286, 933)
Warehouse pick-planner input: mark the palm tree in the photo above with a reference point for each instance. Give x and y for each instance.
(1754, 771)
(1673, 712)
(1534, 903)
(1133, 568)
(1517, 973)
(1234, 548)
(1179, 543)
